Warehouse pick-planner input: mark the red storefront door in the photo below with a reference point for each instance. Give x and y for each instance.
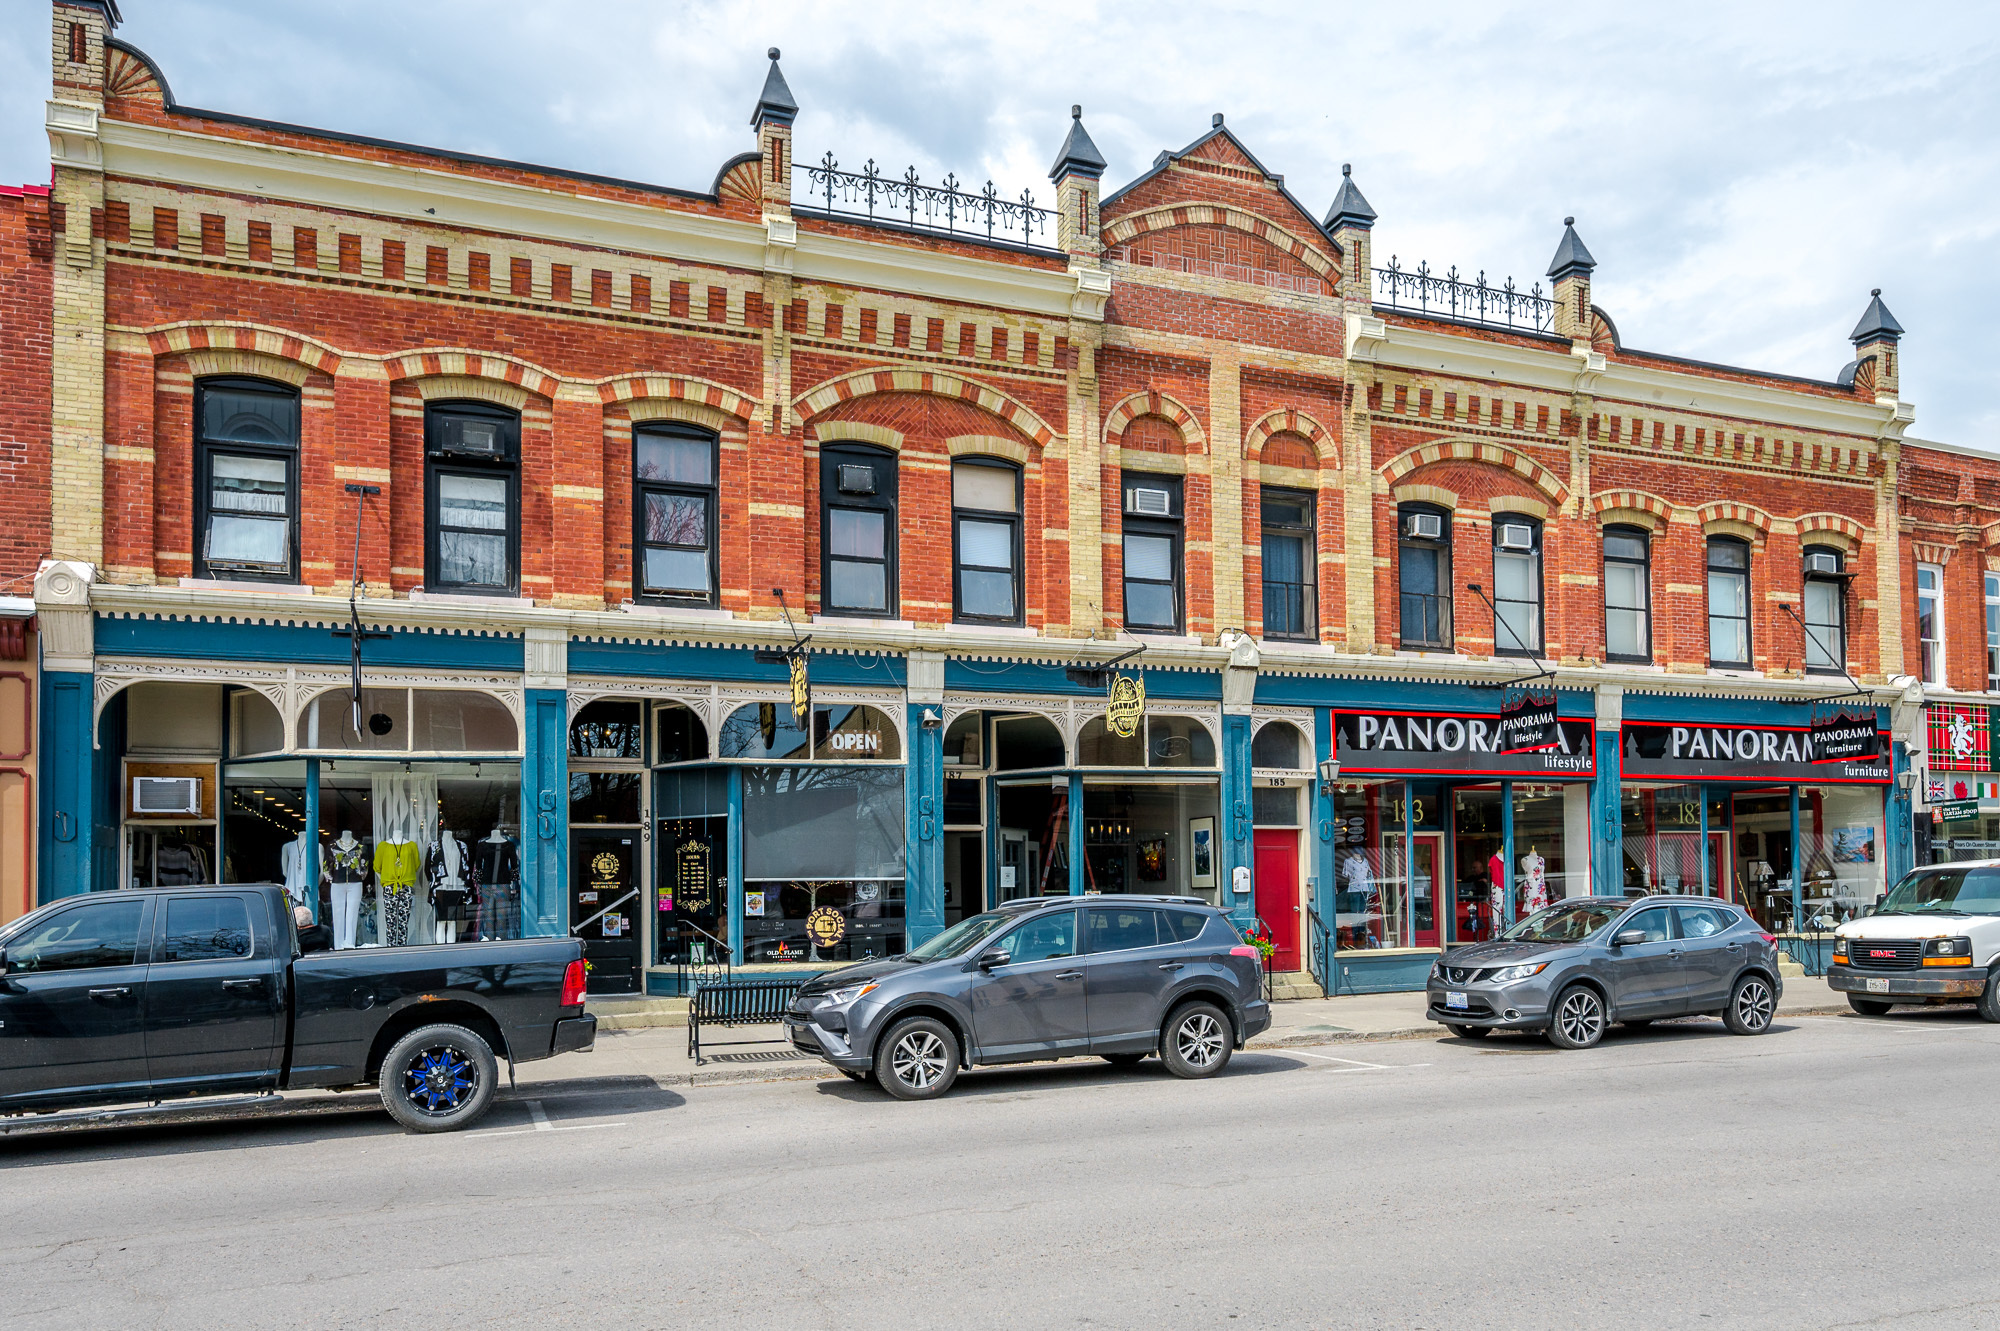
(1277, 869)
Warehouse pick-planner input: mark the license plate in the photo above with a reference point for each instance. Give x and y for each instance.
(1878, 986)
(1455, 1000)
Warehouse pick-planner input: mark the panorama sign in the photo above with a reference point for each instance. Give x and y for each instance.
(1681, 751)
(1458, 744)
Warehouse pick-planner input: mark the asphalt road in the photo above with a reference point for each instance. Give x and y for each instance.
(1834, 1172)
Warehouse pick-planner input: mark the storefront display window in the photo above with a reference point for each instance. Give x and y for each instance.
(264, 827)
(763, 730)
(1144, 837)
(1370, 850)
(254, 724)
(822, 863)
(1840, 848)
(1023, 742)
(1661, 831)
(411, 720)
(1551, 844)
(682, 738)
(691, 867)
(1479, 864)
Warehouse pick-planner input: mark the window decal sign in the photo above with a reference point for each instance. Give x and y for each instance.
(1960, 736)
(1456, 744)
(1683, 751)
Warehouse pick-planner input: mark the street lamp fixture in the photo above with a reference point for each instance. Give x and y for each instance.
(1329, 773)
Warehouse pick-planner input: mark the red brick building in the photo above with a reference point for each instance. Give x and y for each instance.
(602, 445)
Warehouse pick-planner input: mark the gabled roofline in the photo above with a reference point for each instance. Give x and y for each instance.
(1167, 159)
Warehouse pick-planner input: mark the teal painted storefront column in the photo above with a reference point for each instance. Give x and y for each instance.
(923, 801)
(312, 836)
(1899, 833)
(1234, 826)
(734, 886)
(545, 814)
(69, 789)
(1078, 870)
(1607, 832)
(1507, 861)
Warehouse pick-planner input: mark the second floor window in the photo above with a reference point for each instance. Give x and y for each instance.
(473, 498)
(673, 470)
(1152, 552)
(1930, 622)
(1517, 585)
(1993, 632)
(1423, 575)
(857, 489)
(986, 540)
(1825, 616)
(1628, 594)
(1290, 603)
(247, 480)
(1729, 602)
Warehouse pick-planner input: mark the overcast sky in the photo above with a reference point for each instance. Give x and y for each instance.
(1743, 174)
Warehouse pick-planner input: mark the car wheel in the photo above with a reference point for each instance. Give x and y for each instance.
(1122, 1060)
(438, 1079)
(1989, 1001)
(1752, 1004)
(1578, 1022)
(1197, 1041)
(917, 1059)
(1869, 1007)
(1469, 1032)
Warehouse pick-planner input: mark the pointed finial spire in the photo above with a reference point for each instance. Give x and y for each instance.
(775, 102)
(1078, 155)
(1349, 207)
(1877, 324)
(1571, 255)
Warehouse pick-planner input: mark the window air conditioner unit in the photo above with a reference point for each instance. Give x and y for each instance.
(1146, 502)
(855, 478)
(166, 794)
(1424, 526)
(1516, 536)
(1822, 561)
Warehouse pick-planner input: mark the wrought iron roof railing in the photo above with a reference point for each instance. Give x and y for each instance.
(1450, 296)
(944, 208)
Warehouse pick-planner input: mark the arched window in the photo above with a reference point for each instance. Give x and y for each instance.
(607, 730)
(1628, 594)
(472, 496)
(857, 494)
(400, 720)
(247, 480)
(1279, 746)
(1022, 742)
(1162, 741)
(986, 541)
(1729, 602)
(1423, 576)
(841, 732)
(682, 736)
(254, 724)
(1152, 550)
(673, 513)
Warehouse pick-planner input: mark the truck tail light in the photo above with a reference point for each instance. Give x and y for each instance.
(572, 986)
(1769, 938)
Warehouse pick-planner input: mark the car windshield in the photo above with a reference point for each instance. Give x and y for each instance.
(1954, 891)
(962, 937)
(1568, 922)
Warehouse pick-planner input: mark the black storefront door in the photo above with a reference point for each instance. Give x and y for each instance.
(604, 907)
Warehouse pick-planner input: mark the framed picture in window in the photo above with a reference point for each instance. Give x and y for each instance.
(1201, 852)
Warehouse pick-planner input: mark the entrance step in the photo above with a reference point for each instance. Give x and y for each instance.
(1787, 968)
(1294, 984)
(631, 1012)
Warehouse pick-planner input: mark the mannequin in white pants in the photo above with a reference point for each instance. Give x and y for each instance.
(350, 860)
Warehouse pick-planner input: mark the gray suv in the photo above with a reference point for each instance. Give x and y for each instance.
(1576, 966)
(1120, 977)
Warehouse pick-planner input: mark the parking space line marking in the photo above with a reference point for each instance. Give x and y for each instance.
(1355, 1064)
(544, 1127)
(541, 1119)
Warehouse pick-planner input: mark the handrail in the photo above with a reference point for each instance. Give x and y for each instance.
(1319, 953)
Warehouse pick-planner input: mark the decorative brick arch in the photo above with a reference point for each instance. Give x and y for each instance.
(676, 388)
(458, 363)
(1290, 421)
(1723, 510)
(863, 383)
(1152, 403)
(1820, 526)
(1236, 219)
(1476, 450)
(1933, 552)
(254, 339)
(1631, 501)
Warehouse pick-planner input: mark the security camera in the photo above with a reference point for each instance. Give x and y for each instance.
(931, 718)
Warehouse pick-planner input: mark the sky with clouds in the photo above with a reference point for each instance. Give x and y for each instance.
(1744, 173)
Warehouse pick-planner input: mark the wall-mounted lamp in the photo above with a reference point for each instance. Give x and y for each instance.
(1906, 780)
(1329, 773)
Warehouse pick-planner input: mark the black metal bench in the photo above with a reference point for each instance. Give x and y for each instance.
(737, 1003)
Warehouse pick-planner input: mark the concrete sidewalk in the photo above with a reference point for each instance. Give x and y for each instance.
(659, 1054)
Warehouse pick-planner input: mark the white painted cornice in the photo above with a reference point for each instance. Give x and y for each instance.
(441, 197)
(73, 135)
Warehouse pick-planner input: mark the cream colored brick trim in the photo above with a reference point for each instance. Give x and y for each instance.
(1151, 403)
(446, 386)
(589, 494)
(1235, 219)
(987, 446)
(1636, 508)
(1651, 523)
(166, 339)
(370, 475)
(1163, 464)
(260, 364)
(127, 453)
(1298, 478)
(1479, 450)
(1733, 527)
(858, 432)
(1425, 494)
(1831, 529)
(758, 510)
(431, 362)
(1324, 442)
(672, 409)
(862, 383)
(677, 388)
(1534, 508)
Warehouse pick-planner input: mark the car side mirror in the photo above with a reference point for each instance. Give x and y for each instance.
(1628, 937)
(994, 956)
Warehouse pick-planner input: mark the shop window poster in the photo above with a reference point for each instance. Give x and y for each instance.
(1201, 840)
(1854, 845)
(614, 925)
(753, 903)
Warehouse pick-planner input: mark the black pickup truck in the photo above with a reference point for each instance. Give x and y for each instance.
(145, 997)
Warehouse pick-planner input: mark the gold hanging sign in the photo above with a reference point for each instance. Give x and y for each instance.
(1127, 707)
(801, 691)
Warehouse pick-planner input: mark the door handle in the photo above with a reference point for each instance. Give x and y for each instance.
(115, 991)
(255, 982)
(1173, 965)
(1070, 975)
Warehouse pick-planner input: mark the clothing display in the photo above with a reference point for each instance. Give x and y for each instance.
(347, 862)
(1534, 882)
(296, 861)
(180, 866)
(454, 888)
(397, 864)
(496, 866)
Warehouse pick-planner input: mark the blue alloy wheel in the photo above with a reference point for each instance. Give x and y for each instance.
(440, 1080)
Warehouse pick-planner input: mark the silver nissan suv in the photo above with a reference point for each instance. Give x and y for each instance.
(1119, 977)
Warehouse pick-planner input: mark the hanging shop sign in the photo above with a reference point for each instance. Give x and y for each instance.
(1960, 736)
(1680, 752)
(1128, 706)
(1957, 811)
(1528, 723)
(1456, 744)
(1843, 737)
(801, 690)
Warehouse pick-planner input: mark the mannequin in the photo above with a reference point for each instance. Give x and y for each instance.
(296, 861)
(350, 872)
(453, 886)
(397, 863)
(1534, 882)
(496, 864)
(1496, 872)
